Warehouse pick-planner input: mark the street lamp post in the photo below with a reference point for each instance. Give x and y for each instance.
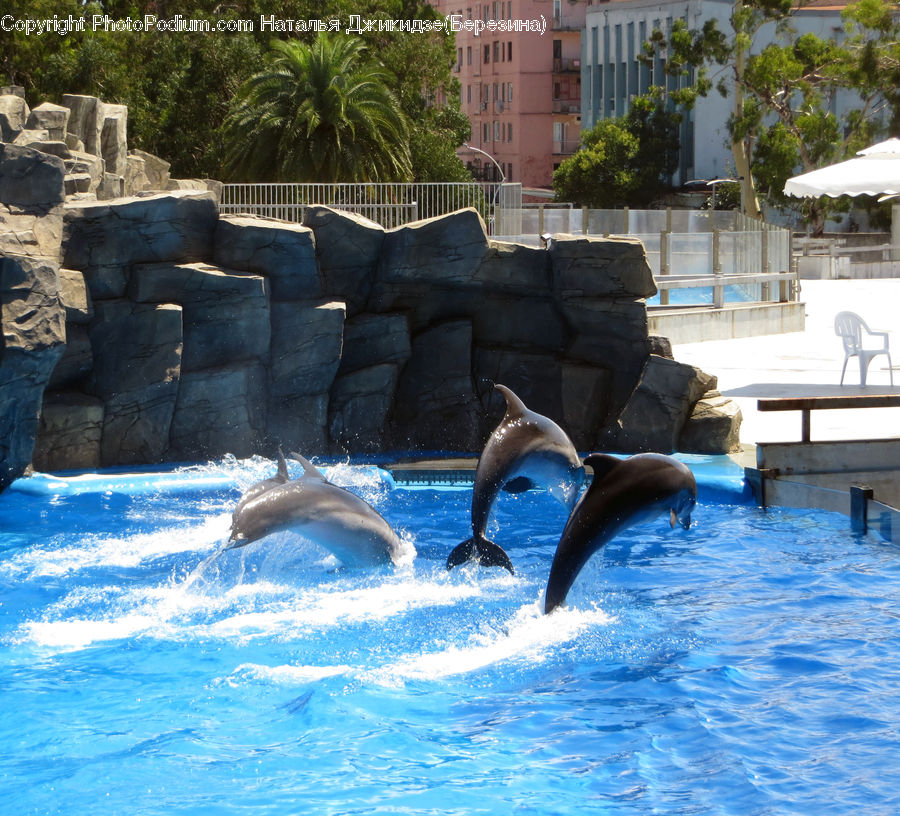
(502, 181)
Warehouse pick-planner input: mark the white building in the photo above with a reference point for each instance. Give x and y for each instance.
(611, 73)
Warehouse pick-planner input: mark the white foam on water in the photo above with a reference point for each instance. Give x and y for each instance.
(104, 552)
(287, 675)
(528, 637)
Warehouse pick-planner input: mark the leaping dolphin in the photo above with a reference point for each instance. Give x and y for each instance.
(623, 492)
(280, 478)
(322, 512)
(525, 450)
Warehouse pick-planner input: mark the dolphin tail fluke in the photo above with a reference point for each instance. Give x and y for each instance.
(481, 551)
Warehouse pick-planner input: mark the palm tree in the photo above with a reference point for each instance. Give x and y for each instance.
(319, 112)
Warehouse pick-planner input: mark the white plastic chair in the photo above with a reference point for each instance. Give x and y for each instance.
(849, 327)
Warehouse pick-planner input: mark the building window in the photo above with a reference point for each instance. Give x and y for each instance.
(509, 51)
(468, 55)
(487, 54)
(509, 91)
(509, 131)
(458, 59)
(468, 94)
(496, 131)
(486, 132)
(496, 51)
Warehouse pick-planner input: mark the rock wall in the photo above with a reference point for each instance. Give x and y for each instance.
(90, 136)
(163, 331)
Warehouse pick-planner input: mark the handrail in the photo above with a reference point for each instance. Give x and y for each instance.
(808, 404)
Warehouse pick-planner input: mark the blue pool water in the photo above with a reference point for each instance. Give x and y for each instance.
(746, 666)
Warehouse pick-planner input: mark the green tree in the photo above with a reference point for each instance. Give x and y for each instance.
(319, 112)
(623, 161)
(784, 94)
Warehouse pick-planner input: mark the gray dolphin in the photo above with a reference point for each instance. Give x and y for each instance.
(322, 512)
(623, 492)
(525, 450)
(280, 478)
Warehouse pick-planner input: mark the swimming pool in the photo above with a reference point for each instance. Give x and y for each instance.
(746, 666)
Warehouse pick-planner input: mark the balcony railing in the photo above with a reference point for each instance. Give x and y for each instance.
(565, 147)
(566, 65)
(567, 106)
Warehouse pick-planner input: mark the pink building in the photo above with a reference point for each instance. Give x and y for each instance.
(521, 89)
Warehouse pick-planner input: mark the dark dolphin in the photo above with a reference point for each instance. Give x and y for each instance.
(525, 450)
(316, 509)
(623, 492)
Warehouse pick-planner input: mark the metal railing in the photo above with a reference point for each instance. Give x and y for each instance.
(698, 257)
(388, 204)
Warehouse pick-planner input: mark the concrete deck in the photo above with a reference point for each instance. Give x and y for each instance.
(807, 364)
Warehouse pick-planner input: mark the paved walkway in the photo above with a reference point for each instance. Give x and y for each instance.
(808, 363)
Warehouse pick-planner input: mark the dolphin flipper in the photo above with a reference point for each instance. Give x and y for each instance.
(481, 551)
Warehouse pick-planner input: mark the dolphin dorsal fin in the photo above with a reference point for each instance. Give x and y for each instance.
(309, 469)
(514, 406)
(601, 464)
(282, 466)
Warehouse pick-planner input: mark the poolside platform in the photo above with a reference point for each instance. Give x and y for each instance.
(854, 445)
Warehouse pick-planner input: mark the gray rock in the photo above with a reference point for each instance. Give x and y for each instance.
(284, 253)
(52, 118)
(32, 231)
(359, 408)
(70, 431)
(13, 116)
(306, 347)
(74, 296)
(82, 163)
(225, 314)
(514, 268)
(299, 422)
(33, 332)
(661, 346)
(370, 339)
(585, 403)
(164, 227)
(74, 368)
(114, 138)
(219, 411)
(51, 148)
(74, 143)
(436, 405)
(447, 249)
(610, 334)
(29, 178)
(77, 183)
(136, 179)
(137, 365)
(601, 267)
(111, 186)
(86, 120)
(155, 168)
(347, 248)
(660, 406)
(714, 426)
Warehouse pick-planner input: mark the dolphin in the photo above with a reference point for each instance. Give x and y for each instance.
(280, 478)
(322, 512)
(525, 450)
(623, 492)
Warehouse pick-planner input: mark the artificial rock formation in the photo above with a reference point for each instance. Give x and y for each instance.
(171, 333)
(91, 138)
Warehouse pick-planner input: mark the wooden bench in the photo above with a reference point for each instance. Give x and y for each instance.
(808, 404)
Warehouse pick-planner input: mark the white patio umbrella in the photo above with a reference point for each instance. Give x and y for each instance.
(875, 172)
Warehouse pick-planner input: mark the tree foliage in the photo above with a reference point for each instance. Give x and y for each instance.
(785, 93)
(179, 86)
(319, 112)
(624, 161)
